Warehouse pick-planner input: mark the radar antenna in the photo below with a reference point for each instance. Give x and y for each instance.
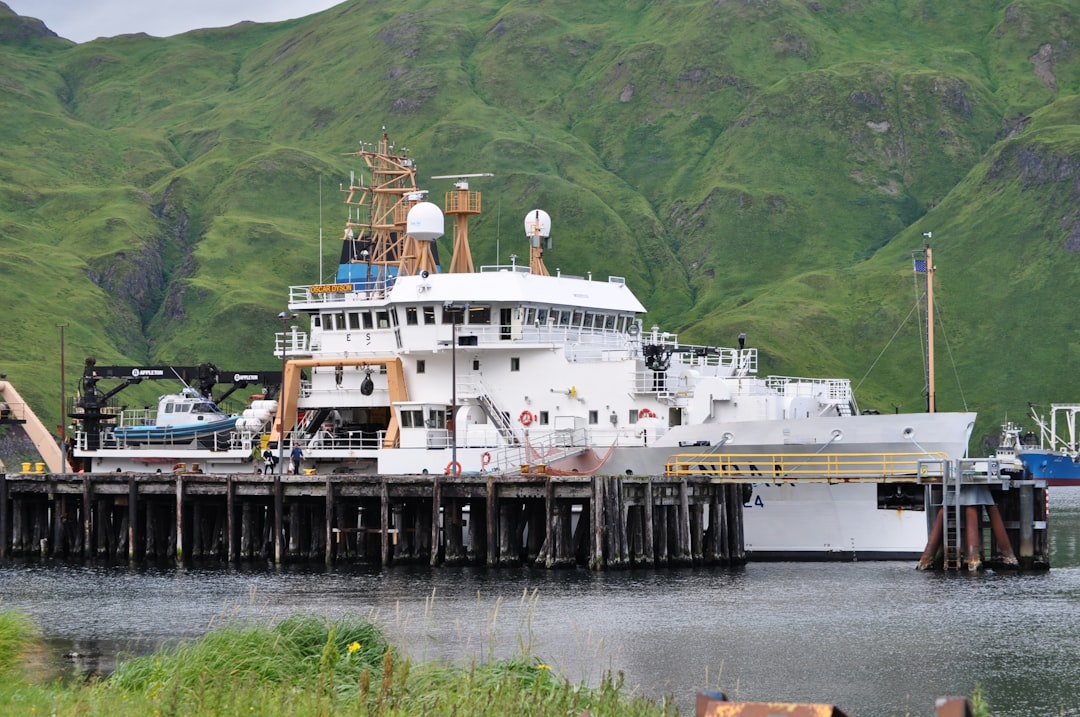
(460, 203)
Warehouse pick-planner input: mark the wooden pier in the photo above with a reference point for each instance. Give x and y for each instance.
(603, 522)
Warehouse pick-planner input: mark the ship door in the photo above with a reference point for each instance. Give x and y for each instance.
(517, 321)
(505, 316)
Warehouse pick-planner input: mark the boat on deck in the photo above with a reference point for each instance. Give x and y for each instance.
(404, 366)
(180, 418)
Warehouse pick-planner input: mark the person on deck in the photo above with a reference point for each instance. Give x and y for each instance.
(297, 455)
(269, 461)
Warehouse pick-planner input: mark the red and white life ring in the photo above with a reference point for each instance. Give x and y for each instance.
(526, 417)
(485, 459)
(453, 468)
(646, 413)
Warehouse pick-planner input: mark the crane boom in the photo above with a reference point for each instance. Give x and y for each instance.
(15, 410)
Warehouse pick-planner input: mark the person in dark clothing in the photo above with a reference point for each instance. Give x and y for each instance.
(269, 461)
(297, 455)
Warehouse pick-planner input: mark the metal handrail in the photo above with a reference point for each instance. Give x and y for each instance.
(803, 467)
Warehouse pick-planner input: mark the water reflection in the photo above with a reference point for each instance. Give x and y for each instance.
(873, 638)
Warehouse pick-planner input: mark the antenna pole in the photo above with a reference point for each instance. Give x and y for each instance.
(931, 405)
(320, 230)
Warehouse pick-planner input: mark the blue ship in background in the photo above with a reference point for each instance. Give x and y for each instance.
(1049, 455)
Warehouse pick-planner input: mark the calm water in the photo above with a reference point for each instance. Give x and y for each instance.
(872, 638)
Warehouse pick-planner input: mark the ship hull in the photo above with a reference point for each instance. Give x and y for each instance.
(1055, 468)
(782, 520)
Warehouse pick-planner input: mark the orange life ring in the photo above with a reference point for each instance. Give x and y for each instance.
(526, 418)
(485, 459)
(453, 468)
(646, 413)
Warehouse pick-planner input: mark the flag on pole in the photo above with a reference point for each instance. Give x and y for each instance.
(920, 266)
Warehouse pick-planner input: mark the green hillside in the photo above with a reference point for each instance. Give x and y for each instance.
(753, 165)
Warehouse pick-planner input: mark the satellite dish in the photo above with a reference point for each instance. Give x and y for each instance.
(537, 223)
(425, 222)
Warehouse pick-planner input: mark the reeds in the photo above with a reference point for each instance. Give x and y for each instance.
(307, 666)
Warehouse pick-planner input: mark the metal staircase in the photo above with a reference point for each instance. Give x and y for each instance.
(497, 418)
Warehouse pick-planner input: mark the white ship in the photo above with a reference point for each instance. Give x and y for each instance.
(401, 366)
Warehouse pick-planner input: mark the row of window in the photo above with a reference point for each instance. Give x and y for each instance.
(472, 315)
(355, 320)
(437, 418)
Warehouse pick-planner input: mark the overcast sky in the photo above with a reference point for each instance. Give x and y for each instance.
(83, 20)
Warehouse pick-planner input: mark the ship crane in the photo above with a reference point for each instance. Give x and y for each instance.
(460, 203)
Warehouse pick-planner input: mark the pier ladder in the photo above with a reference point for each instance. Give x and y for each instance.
(950, 513)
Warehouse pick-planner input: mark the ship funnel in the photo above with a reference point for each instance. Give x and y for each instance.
(425, 222)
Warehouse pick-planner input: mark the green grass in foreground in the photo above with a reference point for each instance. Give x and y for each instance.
(302, 666)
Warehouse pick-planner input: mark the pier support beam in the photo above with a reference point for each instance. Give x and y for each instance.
(5, 520)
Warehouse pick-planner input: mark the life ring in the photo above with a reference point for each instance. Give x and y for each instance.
(485, 459)
(646, 413)
(453, 468)
(526, 417)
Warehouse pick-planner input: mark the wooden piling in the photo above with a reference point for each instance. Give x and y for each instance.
(603, 522)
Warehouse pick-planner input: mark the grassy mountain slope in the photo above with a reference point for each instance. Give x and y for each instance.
(757, 165)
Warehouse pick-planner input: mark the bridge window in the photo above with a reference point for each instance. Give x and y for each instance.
(411, 317)
(354, 321)
(384, 319)
(480, 315)
(412, 419)
(541, 316)
(429, 314)
(367, 319)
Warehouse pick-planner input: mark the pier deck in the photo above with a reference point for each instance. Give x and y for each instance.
(603, 522)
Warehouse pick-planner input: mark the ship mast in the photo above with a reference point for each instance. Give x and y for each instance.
(538, 232)
(378, 240)
(460, 203)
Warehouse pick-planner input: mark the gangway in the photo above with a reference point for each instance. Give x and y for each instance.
(809, 467)
(15, 410)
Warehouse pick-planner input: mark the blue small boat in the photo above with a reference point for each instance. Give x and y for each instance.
(180, 419)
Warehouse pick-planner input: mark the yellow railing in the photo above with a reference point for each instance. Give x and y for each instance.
(807, 467)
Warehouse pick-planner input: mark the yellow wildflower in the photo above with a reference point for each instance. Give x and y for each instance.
(543, 666)
(353, 647)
